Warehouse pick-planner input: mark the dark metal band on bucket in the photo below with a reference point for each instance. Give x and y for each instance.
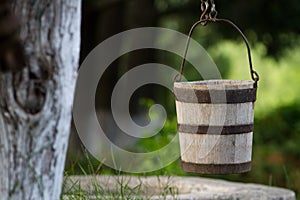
(215, 96)
(215, 130)
(216, 168)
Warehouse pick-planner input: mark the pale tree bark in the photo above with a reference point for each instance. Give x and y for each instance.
(35, 104)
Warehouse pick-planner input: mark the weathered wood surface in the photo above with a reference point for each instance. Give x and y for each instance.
(215, 135)
(214, 114)
(216, 149)
(36, 103)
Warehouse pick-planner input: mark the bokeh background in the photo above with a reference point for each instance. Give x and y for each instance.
(273, 29)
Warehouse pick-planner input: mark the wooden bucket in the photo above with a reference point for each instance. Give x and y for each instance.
(215, 125)
(215, 121)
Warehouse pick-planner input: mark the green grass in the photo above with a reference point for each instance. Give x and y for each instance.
(73, 190)
(101, 191)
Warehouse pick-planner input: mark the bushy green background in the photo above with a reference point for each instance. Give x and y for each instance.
(272, 28)
(276, 148)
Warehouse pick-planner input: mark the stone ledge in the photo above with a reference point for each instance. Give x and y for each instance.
(161, 187)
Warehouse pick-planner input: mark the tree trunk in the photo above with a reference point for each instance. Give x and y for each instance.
(35, 104)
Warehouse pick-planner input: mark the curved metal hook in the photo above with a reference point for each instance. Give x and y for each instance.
(254, 74)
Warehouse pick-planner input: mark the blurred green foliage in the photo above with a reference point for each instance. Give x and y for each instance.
(272, 28)
(276, 149)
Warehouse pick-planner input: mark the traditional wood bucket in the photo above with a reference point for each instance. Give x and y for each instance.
(215, 121)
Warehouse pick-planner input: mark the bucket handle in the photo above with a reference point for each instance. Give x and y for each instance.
(254, 74)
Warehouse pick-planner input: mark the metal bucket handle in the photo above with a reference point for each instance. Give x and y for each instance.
(254, 74)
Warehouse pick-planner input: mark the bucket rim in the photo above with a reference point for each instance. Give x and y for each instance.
(215, 84)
